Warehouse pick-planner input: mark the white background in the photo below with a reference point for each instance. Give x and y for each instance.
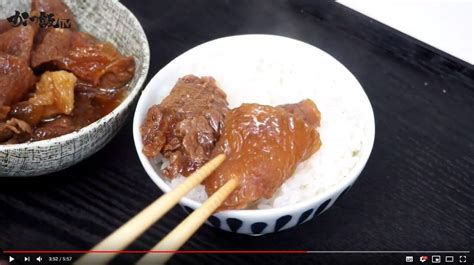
(445, 24)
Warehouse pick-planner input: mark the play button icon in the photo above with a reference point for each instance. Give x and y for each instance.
(10, 259)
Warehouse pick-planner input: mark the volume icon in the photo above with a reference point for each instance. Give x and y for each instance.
(39, 259)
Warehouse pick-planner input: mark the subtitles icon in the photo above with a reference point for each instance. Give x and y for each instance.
(436, 259)
(409, 259)
(424, 258)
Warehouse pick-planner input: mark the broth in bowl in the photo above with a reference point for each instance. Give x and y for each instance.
(91, 111)
(56, 79)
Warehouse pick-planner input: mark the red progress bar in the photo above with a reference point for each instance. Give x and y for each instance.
(157, 251)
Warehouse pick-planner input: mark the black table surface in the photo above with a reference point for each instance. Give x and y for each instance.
(416, 192)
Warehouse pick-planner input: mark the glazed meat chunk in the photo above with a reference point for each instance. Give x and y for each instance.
(54, 95)
(57, 127)
(263, 146)
(305, 109)
(16, 79)
(54, 79)
(14, 130)
(18, 41)
(185, 126)
(90, 60)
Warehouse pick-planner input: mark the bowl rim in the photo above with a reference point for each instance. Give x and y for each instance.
(271, 212)
(126, 102)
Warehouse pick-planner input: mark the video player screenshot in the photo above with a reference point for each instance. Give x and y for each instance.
(236, 132)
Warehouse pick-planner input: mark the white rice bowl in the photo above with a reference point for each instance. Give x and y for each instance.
(267, 72)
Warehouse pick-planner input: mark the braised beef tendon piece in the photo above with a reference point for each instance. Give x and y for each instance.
(18, 41)
(5, 133)
(54, 45)
(118, 72)
(16, 79)
(95, 103)
(54, 95)
(305, 109)
(54, 79)
(98, 63)
(263, 145)
(185, 126)
(60, 106)
(14, 131)
(59, 126)
(55, 92)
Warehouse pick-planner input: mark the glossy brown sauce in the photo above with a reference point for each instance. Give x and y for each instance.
(88, 108)
(185, 126)
(263, 146)
(54, 81)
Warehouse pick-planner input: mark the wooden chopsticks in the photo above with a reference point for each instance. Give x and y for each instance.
(131, 230)
(176, 238)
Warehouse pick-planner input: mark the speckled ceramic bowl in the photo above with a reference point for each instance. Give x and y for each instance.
(108, 20)
(235, 58)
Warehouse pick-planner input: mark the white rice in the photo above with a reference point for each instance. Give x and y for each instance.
(271, 80)
(341, 135)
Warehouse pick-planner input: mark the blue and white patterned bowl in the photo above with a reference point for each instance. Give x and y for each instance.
(224, 54)
(107, 20)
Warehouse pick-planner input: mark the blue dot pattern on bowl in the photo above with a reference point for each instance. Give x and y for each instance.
(304, 216)
(322, 207)
(216, 222)
(282, 221)
(343, 193)
(234, 224)
(258, 227)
